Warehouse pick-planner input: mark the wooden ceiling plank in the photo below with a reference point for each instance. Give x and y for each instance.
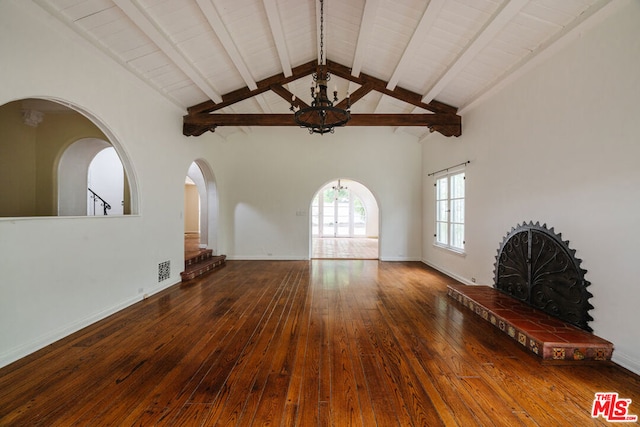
(424, 26)
(215, 21)
(273, 16)
(500, 19)
(364, 36)
(147, 26)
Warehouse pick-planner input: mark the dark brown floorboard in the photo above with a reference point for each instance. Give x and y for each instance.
(308, 343)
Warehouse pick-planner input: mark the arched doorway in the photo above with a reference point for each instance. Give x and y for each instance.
(201, 209)
(344, 222)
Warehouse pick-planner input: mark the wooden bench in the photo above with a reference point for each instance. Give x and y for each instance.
(540, 333)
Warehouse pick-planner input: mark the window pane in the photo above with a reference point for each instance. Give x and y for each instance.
(441, 188)
(457, 236)
(457, 211)
(442, 233)
(457, 186)
(442, 209)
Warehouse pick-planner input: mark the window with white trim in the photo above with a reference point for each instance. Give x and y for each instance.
(450, 194)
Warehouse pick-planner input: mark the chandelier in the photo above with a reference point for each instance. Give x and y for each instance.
(321, 117)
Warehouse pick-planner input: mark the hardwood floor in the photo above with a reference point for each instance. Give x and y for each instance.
(307, 343)
(344, 248)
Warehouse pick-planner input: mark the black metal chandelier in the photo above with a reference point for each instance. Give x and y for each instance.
(321, 117)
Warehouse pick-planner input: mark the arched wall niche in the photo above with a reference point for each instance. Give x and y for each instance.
(35, 136)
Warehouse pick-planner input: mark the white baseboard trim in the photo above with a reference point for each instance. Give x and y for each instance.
(26, 349)
(450, 274)
(266, 258)
(626, 362)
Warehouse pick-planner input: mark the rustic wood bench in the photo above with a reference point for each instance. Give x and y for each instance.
(540, 333)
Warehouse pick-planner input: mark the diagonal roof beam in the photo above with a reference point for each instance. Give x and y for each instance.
(367, 82)
(424, 26)
(146, 24)
(500, 19)
(288, 96)
(262, 86)
(366, 30)
(397, 93)
(360, 93)
(215, 21)
(273, 17)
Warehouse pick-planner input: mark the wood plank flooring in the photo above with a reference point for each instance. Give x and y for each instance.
(301, 343)
(344, 248)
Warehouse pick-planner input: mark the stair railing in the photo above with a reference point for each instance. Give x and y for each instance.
(105, 206)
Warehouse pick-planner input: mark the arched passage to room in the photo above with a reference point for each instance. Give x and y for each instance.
(46, 149)
(344, 222)
(200, 209)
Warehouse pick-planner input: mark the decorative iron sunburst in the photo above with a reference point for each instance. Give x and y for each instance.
(536, 266)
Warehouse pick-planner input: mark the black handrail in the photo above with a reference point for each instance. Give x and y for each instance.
(105, 206)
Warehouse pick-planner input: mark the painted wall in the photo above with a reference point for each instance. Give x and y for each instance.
(559, 145)
(267, 180)
(60, 274)
(191, 209)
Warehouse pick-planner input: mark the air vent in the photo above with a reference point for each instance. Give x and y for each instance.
(164, 271)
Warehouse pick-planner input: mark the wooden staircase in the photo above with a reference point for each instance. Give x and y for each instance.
(201, 263)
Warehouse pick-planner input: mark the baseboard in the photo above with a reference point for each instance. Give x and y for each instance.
(400, 259)
(626, 362)
(450, 274)
(266, 258)
(26, 349)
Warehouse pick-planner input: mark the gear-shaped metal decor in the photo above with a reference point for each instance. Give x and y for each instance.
(536, 266)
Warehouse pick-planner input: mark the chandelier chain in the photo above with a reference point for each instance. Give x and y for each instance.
(321, 32)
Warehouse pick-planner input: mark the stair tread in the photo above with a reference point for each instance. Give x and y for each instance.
(198, 267)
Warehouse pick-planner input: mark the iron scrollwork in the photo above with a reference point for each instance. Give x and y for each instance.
(536, 266)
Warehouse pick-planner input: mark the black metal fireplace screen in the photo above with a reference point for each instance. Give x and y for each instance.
(537, 267)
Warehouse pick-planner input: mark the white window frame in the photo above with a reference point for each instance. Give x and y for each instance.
(443, 219)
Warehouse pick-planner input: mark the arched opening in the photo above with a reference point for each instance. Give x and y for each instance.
(200, 209)
(46, 149)
(344, 222)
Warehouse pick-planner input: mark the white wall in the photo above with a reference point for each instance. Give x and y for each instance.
(267, 180)
(559, 145)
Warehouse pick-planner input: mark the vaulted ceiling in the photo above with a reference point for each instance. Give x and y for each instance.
(411, 64)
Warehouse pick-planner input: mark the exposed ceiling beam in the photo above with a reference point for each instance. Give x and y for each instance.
(278, 35)
(147, 26)
(262, 86)
(447, 124)
(366, 30)
(505, 14)
(424, 26)
(215, 21)
(287, 96)
(360, 93)
(397, 93)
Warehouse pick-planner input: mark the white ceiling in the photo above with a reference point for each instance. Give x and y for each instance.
(451, 51)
